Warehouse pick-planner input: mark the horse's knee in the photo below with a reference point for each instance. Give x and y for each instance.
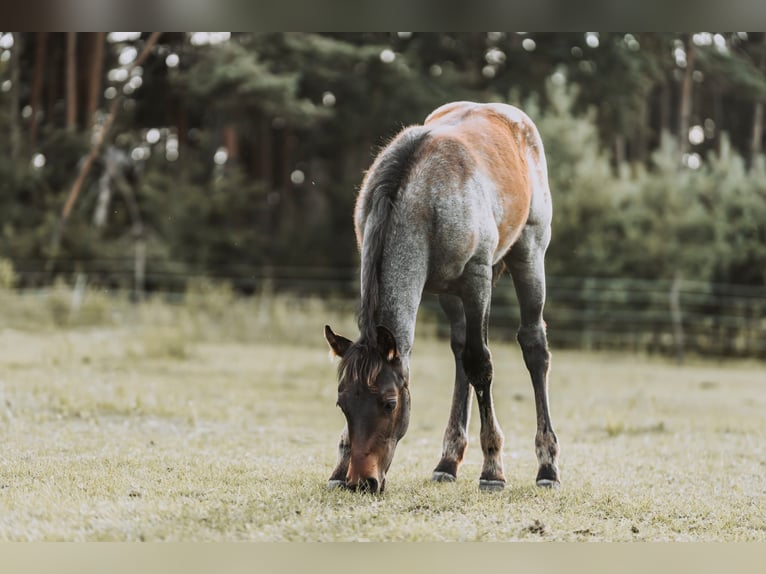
(534, 347)
(478, 367)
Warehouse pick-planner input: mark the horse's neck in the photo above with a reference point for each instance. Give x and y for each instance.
(402, 277)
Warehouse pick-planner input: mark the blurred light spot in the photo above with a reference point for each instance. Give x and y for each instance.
(135, 82)
(696, 135)
(6, 86)
(404, 35)
(110, 93)
(528, 44)
(137, 71)
(138, 153)
(576, 51)
(38, 161)
(495, 56)
(720, 44)
(117, 75)
(702, 39)
(328, 99)
(127, 89)
(488, 71)
(153, 136)
(387, 56)
(26, 112)
(5, 56)
(559, 78)
(297, 177)
(171, 154)
(6, 41)
(692, 160)
(698, 76)
(219, 37)
(199, 38)
(495, 36)
(127, 55)
(631, 42)
(204, 38)
(221, 156)
(435, 70)
(591, 38)
(680, 56)
(116, 37)
(742, 35)
(172, 60)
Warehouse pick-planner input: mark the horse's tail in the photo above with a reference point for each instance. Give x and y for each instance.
(386, 178)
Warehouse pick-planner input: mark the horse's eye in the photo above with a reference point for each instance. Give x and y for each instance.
(390, 405)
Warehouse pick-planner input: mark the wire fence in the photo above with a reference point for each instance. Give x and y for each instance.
(670, 317)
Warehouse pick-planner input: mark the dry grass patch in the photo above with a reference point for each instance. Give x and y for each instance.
(109, 437)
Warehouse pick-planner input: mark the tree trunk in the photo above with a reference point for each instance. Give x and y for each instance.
(265, 155)
(685, 105)
(231, 141)
(665, 98)
(756, 143)
(37, 86)
(95, 78)
(15, 128)
(54, 68)
(71, 80)
(640, 143)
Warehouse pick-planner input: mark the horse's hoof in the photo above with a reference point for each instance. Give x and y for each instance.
(333, 484)
(491, 485)
(548, 483)
(439, 476)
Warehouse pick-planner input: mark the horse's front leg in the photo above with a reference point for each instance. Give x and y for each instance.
(456, 433)
(338, 476)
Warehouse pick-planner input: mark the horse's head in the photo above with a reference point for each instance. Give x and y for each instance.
(374, 395)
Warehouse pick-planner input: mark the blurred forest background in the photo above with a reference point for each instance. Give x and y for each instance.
(143, 162)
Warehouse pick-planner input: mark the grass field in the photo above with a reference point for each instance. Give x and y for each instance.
(134, 431)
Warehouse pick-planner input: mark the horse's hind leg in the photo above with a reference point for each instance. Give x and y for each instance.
(456, 434)
(526, 262)
(477, 362)
(338, 476)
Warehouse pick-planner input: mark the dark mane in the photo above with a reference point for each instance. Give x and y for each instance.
(361, 364)
(384, 182)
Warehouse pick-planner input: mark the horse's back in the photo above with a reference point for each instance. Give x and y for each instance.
(472, 180)
(501, 149)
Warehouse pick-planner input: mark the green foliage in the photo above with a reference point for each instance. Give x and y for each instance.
(585, 193)
(320, 105)
(234, 78)
(707, 223)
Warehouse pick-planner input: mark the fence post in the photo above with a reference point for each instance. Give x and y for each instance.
(676, 316)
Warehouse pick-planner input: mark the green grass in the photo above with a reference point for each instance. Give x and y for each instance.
(170, 426)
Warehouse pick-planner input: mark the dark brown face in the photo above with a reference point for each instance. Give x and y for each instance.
(374, 396)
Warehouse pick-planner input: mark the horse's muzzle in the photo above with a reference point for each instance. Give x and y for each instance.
(367, 486)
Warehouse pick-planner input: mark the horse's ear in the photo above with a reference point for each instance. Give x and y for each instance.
(338, 344)
(387, 344)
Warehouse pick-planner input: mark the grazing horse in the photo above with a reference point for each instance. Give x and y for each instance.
(444, 207)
